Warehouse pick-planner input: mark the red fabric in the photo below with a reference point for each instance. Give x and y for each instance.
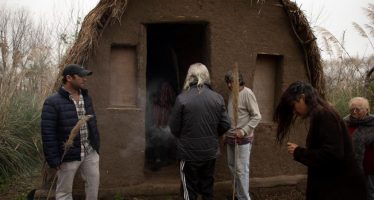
(351, 130)
(368, 162)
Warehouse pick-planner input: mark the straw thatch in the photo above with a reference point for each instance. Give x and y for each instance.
(105, 13)
(108, 11)
(305, 36)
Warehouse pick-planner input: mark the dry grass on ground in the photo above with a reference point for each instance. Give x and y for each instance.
(18, 187)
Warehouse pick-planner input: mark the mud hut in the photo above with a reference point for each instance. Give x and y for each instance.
(140, 51)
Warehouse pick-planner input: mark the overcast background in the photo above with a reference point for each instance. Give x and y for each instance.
(334, 15)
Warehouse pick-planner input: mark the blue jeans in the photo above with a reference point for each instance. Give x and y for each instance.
(242, 168)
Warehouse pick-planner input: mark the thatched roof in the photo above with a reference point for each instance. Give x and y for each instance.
(105, 13)
(305, 35)
(109, 11)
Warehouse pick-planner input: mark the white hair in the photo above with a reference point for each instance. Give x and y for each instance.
(197, 73)
(362, 101)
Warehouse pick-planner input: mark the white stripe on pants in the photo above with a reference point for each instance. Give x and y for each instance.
(183, 179)
(89, 168)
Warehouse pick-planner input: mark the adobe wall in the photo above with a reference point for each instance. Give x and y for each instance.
(237, 33)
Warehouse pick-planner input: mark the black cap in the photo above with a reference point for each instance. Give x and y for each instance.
(73, 69)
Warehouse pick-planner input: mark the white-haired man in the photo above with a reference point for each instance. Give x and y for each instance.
(361, 128)
(198, 119)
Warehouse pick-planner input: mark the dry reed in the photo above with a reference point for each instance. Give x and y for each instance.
(74, 132)
(235, 93)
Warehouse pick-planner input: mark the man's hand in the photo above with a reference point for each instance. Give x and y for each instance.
(291, 147)
(239, 133)
(222, 140)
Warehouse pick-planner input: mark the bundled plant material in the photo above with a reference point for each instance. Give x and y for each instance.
(74, 132)
(69, 143)
(235, 93)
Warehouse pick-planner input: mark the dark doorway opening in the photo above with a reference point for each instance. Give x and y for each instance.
(171, 49)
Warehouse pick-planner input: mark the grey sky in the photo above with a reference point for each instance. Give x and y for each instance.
(335, 15)
(53, 9)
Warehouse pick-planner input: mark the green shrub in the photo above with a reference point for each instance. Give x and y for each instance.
(339, 98)
(20, 135)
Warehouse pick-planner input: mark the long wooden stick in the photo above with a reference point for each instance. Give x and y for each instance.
(235, 107)
(235, 93)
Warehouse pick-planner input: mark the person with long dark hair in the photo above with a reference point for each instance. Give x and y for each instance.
(332, 170)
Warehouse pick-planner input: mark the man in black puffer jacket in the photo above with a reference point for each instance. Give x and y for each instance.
(198, 119)
(61, 112)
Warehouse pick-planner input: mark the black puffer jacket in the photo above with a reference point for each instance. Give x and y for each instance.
(198, 118)
(362, 138)
(59, 116)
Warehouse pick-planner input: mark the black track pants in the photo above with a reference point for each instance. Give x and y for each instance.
(197, 178)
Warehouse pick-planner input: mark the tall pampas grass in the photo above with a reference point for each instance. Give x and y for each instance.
(19, 126)
(367, 31)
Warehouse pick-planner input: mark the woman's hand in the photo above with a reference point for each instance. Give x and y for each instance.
(291, 147)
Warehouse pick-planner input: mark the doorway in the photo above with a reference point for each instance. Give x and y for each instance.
(171, 49)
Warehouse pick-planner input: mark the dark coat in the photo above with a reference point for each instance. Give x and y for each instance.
(363, 141)
(197, 120)
(59, 116)
(332, 170)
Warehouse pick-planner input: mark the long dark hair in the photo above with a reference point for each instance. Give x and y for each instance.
(284, 114)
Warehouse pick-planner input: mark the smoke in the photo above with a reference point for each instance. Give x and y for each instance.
(160, 143)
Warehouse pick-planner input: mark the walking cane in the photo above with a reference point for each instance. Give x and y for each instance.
(235, 160)
(235, 106)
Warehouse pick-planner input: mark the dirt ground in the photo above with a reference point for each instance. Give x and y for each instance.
(279, 193)
(258, 194)
(275, 193)
(18, 188)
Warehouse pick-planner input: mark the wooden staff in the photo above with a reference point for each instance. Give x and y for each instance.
(235, 109)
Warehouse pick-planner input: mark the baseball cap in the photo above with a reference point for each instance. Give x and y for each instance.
(73, 69)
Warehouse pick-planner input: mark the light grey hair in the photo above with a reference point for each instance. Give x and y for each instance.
(364, 102)
(197, 73)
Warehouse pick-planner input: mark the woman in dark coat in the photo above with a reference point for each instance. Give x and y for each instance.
(332, 172)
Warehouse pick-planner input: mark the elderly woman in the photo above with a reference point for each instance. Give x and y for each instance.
(361, 129)
(332, 170)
